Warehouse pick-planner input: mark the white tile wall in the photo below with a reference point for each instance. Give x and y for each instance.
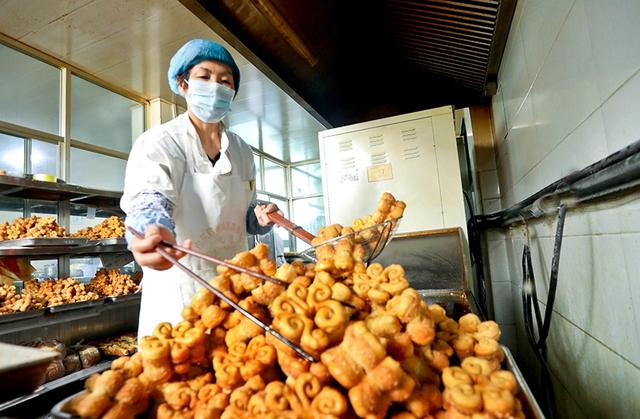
(498, 261)
(491, 205)
(489, 186)
(594, 293)
(612, 25)
(621, 114)
(499, 118)
(514, 79)
(603, 384)
(540, 29)
(564, 93)
(568, 98)
(567, 407)
(582, 147)
(502, 303)
(631, 246)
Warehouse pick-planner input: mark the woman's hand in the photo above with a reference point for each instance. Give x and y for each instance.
(262, 213)
(144, 250)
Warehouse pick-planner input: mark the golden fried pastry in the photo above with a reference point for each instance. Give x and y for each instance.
(383, 351)
(131, 391)
(469, 323)
(487, 348)
(463, 344)
(497, 401)
(33, 226)
(359, 351)
(488, 329)
(112, 227)
(504, 380)
(384, 384)
(111, 283)
(477, 368)
(452, 376)
(464, 398)
(163, 330)
(91, 405)
(424, 400)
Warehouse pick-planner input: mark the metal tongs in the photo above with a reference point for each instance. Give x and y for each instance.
(219, 294)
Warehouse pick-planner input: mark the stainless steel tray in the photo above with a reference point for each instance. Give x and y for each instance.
(45, 241)
(107, 242)
(75, 306)
(29, 314)
(122, 298)
(529, 405)
(57, 411)
(112, 241)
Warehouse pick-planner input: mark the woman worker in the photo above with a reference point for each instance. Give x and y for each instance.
(193, 181)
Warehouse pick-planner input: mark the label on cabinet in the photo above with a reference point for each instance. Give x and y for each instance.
(379, 172)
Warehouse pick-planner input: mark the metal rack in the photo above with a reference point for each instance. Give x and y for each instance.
(68, 322)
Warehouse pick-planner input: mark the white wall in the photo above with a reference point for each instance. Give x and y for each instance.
(569, 95)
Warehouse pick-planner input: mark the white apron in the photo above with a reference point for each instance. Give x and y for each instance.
(211, 211)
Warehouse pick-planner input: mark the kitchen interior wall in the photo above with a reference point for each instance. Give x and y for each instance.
(568, 95)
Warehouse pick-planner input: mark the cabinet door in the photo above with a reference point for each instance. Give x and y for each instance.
(399, 158)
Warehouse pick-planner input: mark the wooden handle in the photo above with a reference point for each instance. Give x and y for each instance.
(295, 229)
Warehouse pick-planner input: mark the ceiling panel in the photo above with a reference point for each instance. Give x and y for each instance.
(358, 60)
(129, 43)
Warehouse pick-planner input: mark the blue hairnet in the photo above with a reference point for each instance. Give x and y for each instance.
(195, 51)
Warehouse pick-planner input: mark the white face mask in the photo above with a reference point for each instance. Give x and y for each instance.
(209, 101)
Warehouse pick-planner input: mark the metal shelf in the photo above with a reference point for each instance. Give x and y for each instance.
(60, 382)
(72, 322)
(64, 250)
(19, 187)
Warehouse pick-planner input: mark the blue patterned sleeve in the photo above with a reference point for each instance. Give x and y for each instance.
(147, 208)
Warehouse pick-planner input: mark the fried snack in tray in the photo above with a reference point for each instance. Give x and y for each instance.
(112, 227)
(338, 249)
(122, 345)
(302, 397)
(4, 230)
(32, 227)
(388, 209)
(50, 292)
(382, 351)
(112, 283)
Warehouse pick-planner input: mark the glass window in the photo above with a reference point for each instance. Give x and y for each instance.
(308, 213)
(84, 268)
(45, 268)
(44, 157)
(29, 91)
(10, 209)
(44, 208)
(79, 222)
(11, 154)
(248, 131)
(274, 178)
(256, 161)
(102, 117)
(83, 216)
(306, 179)
(84, 173)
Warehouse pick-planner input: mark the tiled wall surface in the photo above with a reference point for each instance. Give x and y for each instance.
(569, 95)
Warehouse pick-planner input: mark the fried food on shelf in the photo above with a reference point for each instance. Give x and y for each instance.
(50, 292)
(32, 227)
(37, 295)
(112, 283)
(382, 350)
(122, 345)
(112, 227)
